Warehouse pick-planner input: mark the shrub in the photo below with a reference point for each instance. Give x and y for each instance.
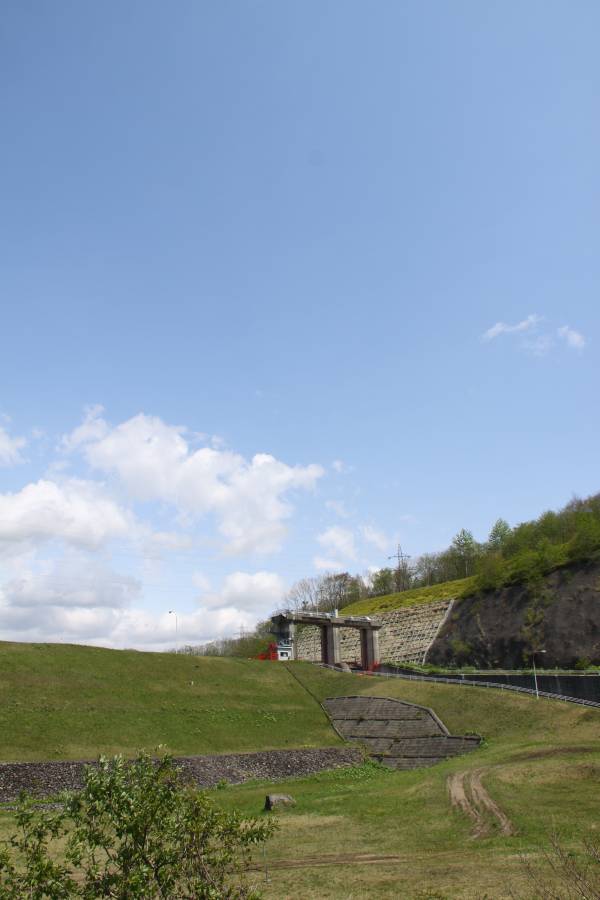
(135, 832)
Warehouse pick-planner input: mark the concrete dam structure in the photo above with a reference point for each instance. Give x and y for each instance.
(405, 635)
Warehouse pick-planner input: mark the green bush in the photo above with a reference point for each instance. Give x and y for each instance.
(135, 832)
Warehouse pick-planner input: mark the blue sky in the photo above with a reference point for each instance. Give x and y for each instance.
(282, 284)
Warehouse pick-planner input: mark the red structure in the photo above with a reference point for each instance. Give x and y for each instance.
(271, 653)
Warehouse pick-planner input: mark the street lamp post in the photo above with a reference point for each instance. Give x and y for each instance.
(535, 681)
(173, 613)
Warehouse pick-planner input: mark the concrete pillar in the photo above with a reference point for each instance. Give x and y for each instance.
(330, 645)
(369, 645)
(375, 645)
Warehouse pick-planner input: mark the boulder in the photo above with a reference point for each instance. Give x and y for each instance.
(273, 800)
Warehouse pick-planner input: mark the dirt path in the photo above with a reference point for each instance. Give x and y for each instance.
(468, 794)
(345, 859)
(489, 806)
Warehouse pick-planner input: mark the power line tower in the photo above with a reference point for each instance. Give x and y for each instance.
(402, 572)
(400, 556)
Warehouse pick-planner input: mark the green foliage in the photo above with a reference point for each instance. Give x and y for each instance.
(135, 831)
(498, 535)
(383, 582)
(448, 591)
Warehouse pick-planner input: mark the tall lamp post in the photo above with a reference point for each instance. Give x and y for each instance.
(533, 652)
(173, 613)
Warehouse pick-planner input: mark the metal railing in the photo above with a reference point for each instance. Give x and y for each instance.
(439, 679)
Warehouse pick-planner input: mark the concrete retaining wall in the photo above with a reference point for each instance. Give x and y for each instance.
(405, 637)
(400, 735)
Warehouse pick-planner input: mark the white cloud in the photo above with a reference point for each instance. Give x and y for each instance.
(574, 339)
(75, 511)
(10, 448)
(81, 600)
(92, 428)
(200, 581)
(154, 461)
(338, 542)
(85, 583)
(532, 321)
(377, 538)
(328, 565)
(342, 468)
(261, 592)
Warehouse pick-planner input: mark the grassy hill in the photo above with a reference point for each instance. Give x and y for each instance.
(449, 590)
(540, 763)
(62, 701)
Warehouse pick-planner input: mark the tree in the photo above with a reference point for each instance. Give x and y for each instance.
(334, 591)
(304, 594)
(383, 582)
(498, 535)
(135, 832)
(464, 548)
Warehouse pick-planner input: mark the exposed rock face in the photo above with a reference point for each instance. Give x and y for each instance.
(560, 614)
(398, 734)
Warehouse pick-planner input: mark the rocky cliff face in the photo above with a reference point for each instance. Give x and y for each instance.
(559, 614)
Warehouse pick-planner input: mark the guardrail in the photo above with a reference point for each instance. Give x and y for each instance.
(439, 679)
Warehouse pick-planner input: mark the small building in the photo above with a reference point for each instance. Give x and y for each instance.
(285, 650)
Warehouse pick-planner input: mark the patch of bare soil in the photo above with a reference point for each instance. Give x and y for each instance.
(468, 794)
(485, 802)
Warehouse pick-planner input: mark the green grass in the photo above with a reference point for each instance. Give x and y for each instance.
(68, 702)
(541, 762)
(449, 590)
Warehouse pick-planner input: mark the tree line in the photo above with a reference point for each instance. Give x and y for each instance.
(525, 552)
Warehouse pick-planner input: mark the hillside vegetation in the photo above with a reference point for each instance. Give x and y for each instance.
(540, 763)
(62, 701)
(450, 590)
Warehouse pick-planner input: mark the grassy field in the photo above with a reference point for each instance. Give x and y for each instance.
(449, 590)
(69, 702)
(540, 763)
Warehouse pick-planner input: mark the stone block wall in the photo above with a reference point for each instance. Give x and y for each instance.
(400, 735)
(405, 637)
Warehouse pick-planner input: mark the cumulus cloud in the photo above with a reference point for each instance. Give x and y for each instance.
(84, 601)
(532, 321)
(376, 538)
(324, 564)
(573, 339)
(261, 592)
(154, 461)
(338, 541)
(10, 448)
(75, 511)
(92, 428)
(84, 583)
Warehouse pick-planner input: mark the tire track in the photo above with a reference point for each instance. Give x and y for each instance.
(468, 795)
